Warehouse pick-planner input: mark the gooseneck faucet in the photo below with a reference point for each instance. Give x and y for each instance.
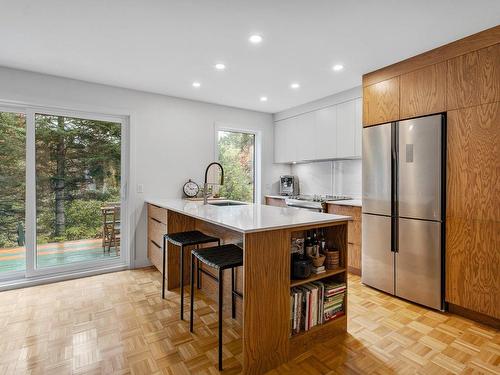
(215, 169)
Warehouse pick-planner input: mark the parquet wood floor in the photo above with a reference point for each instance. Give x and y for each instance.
(118, 324)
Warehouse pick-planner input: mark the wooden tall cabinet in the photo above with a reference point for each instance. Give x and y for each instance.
(461, 79)
(381, 102)
(423, 91)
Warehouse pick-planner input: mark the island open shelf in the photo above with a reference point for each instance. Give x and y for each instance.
(326, 274)
(336, 238)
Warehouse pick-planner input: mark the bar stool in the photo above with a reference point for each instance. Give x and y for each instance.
(221, 258)
(183, 239)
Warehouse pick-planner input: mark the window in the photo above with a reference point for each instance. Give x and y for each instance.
(236, 153)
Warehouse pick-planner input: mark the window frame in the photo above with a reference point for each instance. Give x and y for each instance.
(218, 126)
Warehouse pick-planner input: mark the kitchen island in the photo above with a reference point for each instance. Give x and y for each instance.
(265, 233)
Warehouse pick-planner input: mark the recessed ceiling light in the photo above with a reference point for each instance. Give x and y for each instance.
(220, 66)
(295, 85)
(338, 67)
(294, 162)
(263, 98)
(255, 39)
(196, 84)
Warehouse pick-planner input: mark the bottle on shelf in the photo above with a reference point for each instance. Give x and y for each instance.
(315, 244)
(322, 241)
(308, 245)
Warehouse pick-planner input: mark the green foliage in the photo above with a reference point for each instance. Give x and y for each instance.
(236, 154)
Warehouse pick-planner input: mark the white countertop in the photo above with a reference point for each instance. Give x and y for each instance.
(347, 202)
(247, 218)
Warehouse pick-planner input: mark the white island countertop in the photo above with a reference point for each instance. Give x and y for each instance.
(247, 218)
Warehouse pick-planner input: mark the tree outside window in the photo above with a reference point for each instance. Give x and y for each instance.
(237, 156)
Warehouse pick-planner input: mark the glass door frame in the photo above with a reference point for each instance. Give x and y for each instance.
(31, 270)
(257, 198)
(7, 108)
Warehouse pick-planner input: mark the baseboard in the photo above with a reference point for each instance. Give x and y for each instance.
(475, 316)
(354, 271)
(142, 263)
(27, 282)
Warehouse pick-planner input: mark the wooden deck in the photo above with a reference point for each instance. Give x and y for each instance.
(53, 254)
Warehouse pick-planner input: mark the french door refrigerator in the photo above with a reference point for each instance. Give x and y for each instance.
(403, 178)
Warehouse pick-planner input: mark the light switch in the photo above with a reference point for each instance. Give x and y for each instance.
(140, 188)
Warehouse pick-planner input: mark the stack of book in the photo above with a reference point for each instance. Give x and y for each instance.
(315, 303)
(333, 304)
(318, 270)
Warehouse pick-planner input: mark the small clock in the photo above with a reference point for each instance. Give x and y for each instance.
(191, 189)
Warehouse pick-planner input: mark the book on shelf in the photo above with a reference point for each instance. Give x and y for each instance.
(315, 303)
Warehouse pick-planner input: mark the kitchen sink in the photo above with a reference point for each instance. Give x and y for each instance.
(227, 203)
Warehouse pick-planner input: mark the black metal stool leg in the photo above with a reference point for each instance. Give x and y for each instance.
(221, 297)
(191, 315)
(198, 274)
(233, 297)
(163, 274)
(182, 281)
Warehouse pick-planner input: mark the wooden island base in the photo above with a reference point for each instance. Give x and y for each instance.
(264, 281)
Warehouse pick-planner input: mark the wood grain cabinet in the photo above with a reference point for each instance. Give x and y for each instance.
(474, 78)
(381, 102)
(157, 227)
(473, 209)
(353, 234)
(423, 91)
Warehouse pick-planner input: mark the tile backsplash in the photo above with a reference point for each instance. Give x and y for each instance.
(330, 177)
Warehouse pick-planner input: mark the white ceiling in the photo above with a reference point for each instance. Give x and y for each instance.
(163, 46)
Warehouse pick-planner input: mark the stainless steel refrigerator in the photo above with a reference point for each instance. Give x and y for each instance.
(403, 211)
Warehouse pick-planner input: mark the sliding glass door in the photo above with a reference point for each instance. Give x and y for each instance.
(12, 192)
(78, 184)
(61, 192)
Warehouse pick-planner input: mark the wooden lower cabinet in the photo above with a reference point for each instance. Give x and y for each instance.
(353, 234)
(279, 202)
(473, 265)
(157, 227)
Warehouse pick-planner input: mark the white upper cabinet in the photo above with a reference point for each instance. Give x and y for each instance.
(304, 136)
(346, 121)
(330, 133)
(326, 133)
(358, 127)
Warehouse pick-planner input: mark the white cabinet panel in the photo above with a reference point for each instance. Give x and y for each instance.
(346, 121)
(326, 133)
(358, 130)
(279, 142)
(329, 133)
(304, 136)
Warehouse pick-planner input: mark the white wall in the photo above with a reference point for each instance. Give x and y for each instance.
(336, 177)
(171, 139)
